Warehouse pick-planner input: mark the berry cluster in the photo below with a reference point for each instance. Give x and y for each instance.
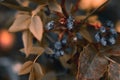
(58, 49)
(70, 22)
(106, 35)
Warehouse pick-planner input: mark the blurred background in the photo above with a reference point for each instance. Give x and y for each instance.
(11, 59)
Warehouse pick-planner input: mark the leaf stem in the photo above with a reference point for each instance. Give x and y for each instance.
(94, 11)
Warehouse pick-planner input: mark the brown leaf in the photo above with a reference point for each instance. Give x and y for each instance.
(114, 71)
(26, 68)
(34, 50)
(49, 51)
(36, 27)
(27, 41)
(91, 65)
(37, 50)
(54, 6)
(36, 73)
(21, 23)
(86, 34)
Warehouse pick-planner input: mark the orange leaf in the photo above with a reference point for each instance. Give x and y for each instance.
(36, 73)
(26, 68)
(21, 23)
(27, 41)
(36, 27)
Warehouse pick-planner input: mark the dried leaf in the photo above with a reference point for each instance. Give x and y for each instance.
(49, 51)
(36, 73)
(26, 68)
(36, 27)
(27, 41)
(91, 65)
(86, 34)
(114, 71)
(37, 50)
(21, 23)
(54, 6)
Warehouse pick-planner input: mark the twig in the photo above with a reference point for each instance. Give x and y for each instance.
(63, 8)
(15, 7)
(94, 11)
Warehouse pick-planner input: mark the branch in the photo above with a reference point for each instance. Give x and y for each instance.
(15, 7)
(63, 8)
(94, 11)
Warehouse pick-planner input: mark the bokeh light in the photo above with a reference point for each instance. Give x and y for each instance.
(6, 39)
(90, 4)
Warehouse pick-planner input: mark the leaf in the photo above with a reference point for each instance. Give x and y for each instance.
(27, 41)
(36, 73)
(36, 27)
(21, 23)
(86, 34)
(49, 51)
(91, 65)
(54, 6)
(37, 50)
(34, 50)
(114, 71)
(26, 68)
(112, 50)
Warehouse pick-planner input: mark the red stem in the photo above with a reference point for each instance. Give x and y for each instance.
(63, 8)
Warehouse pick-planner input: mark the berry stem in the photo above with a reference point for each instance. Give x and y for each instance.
(63, 8)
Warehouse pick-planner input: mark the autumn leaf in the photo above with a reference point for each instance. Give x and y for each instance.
(21, 23)
(91, 65)
(114, 71)
(27, 41)
(36, 73)
(26, 68)
(37, 50)
(36, 27)
(54, 6)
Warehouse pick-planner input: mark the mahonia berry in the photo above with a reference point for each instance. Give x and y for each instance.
(70, 22)
(58, 45)
(97, 37)
(79, 36)
(50, 25)
(103, 41)
(102, 29)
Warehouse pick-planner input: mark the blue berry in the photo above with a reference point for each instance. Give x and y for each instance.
(79, 36)
(102, 29)
(97, 37)
(113, 32)
(103, 41)
(61, 52)
(109, 24)
(64, 41)
(50, 25)
(70, 22)
(58, 45)
(111, 40)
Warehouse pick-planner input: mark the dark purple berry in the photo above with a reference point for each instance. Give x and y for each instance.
(50, 25)
(61, 52)
(79, 36)
(58, 45)
(102, 29)
(109, 24)
(111, 40)
(70, 22)
(97, 37)
(103, 41)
